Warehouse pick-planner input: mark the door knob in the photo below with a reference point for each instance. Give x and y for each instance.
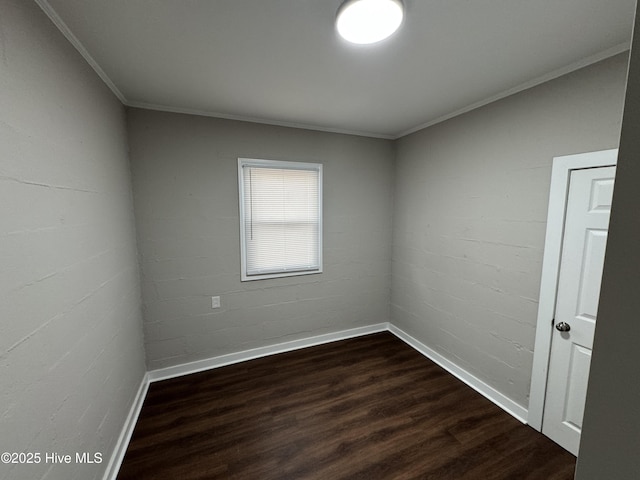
(563, 327)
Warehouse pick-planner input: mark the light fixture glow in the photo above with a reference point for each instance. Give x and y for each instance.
(369, 21)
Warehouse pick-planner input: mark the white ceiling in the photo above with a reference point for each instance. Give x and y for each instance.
(280, 61)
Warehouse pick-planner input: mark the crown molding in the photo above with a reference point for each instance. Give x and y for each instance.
(245, 118)
(66, 31)
(585, 62)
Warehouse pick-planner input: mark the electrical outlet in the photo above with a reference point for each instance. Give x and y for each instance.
(215, 302)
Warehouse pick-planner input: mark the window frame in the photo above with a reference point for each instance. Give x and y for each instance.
(282, 165)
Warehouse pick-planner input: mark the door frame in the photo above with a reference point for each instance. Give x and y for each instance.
(560, 176)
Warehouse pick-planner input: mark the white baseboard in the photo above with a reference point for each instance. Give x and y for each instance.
(478, 385)
(231, 358)
(502, 401)
(127, 430)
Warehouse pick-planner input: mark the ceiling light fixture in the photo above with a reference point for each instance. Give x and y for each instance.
(369, 21)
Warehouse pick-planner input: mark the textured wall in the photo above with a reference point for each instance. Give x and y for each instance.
(470, 217)
(610, 442)
(186, 200)
(71, 356)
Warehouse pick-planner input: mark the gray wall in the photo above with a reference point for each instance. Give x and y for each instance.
(186, 200)
(470, 217)
(470, 210)
(71, 357)
(610, 443)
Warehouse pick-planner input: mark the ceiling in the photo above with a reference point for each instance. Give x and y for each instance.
(281, 62)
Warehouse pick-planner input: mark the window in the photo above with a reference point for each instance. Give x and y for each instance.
(280, 218)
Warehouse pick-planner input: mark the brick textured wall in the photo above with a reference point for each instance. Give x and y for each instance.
(71, 355)
(186, 199)
(470, 219)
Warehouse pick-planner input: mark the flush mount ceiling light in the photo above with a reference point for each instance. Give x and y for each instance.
(369, 21)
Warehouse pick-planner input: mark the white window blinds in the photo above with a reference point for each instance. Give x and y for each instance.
(281, 218)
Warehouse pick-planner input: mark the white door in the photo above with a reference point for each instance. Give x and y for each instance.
(583, 248)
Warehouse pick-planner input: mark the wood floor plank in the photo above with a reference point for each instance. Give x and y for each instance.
(364, 408)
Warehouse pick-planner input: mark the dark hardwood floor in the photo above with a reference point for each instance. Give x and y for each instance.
(366, 408)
